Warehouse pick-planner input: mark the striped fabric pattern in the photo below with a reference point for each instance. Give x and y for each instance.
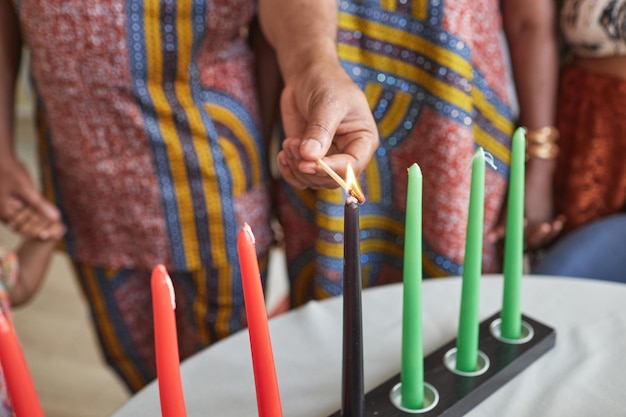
(150, 144)
(177, 142)
(435, 80)
(122, 314)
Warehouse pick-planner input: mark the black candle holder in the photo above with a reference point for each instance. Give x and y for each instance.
(457, 393)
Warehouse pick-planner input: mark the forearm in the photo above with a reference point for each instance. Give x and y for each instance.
(10, 54)
(531, 33)
(301, 32)
(34, 257)
(269, 82)
(530, 27)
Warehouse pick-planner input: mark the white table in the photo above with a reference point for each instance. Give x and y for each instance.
(583, 375)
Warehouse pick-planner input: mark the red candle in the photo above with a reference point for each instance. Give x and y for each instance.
(166, 345)
(265, 381)
(19, 383)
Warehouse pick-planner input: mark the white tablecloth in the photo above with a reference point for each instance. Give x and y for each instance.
(583, 375)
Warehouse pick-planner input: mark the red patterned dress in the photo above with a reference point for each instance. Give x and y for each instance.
(435, 76)
(151, 147)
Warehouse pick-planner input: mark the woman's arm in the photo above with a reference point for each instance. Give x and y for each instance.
(34, 256)
(10, 54)
(531, 32)
(320, 105)
(17, 190)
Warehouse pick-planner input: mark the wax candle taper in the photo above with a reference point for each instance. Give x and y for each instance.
(467, 338)
(412, 373)
(353, 394)
(265, 380)
(17, 377)
(511, 314)
(166, 344)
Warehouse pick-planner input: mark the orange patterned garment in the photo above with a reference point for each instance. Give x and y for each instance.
(590, 179)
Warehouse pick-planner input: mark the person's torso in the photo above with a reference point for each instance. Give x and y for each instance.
(150, 116)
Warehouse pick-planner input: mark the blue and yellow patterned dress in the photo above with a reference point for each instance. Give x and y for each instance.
(436, 78)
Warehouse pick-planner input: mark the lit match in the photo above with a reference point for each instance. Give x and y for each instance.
(352, 189)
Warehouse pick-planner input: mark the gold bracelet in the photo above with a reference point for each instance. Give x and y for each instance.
(542, 143)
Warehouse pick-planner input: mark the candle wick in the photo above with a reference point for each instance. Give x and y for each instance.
(168, 283)
(359, 197)
(170, 288)
(490, 160)
(248, 231)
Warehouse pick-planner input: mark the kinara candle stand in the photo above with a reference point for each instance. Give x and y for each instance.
(451, 393)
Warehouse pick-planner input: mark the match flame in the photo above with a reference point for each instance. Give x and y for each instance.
(353, 186)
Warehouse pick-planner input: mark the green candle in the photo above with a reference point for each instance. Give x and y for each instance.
(467, 338)
(511, 314)
(412, 373)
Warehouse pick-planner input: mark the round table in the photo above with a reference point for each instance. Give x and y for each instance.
(583, 375)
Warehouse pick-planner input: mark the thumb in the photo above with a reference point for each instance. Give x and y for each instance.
(320, 131)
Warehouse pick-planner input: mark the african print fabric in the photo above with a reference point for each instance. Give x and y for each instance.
(590, 176)
(149, 127)
(436, 79)
(594, 28)
(151, 147)
(122, 313)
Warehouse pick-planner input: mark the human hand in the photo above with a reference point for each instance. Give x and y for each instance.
(537, 234)
(20, 200)
(30, 224)
(541, 225)
(40, 238)
(325, 115)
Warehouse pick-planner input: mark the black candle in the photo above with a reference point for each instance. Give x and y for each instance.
(353, 397)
